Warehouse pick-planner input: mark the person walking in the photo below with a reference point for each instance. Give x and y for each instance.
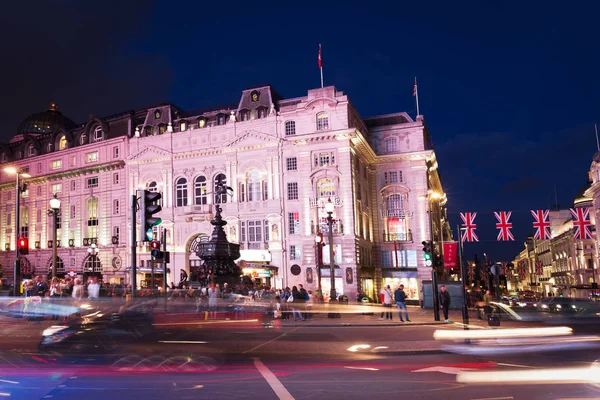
(400, 298)
(387, 295)
(445, 301)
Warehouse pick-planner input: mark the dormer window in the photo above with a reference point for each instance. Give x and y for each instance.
(156, 114)
(183, 126)
(322, 121)
(261, 112)
(244, 115)
(201, 122)
(162, 129)
(62, 142)
(220, 119)
(98, 134)
(30, 150)
(148, 131)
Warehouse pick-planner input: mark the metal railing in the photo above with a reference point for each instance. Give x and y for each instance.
(337, 228)
(397, 237)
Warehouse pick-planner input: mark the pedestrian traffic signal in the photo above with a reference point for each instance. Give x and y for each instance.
(23, 245)
(427, 252)
(149, 207)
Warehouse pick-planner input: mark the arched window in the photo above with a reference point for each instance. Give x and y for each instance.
(391, 145)
(181, 192)
(201, 122)
(322, 121)
(98, 134)
(182, 126)
(221, 119)
(148, 131)
(395, 205)
(162, 128)
(244, 115)
(396, 221)
(219, 197)
(254, 186)
(326, 188)
(93, 264)
(62, 142)
(60, 266)
(290, 128)
(261, 112)
(200, 190)
(31, 150)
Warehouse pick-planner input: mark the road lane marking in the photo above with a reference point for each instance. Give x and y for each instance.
(364, 368)
(7, 381)
(280, 391)
(514, 365)
(495, 398)
(182, 341)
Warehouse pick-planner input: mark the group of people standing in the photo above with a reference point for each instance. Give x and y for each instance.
(399, 297)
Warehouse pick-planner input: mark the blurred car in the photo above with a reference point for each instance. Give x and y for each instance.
(98, 332)
(542, 305)
(528, 302)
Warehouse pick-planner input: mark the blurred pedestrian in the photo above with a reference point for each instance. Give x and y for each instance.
(445, 302)
(400, 297)
(387, 296)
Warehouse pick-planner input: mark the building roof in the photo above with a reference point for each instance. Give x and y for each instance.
(48, 121)
(581, 200)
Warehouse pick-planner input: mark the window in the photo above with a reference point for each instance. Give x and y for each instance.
(322, 121)
(220, 119)
(92, 217)
(98, 134)
(116, 207)
(148, 131)
(92, 182)
(254, 186)
(39, 168)
(181, 192)
(39, 190)
(83, 138)
(92, 157)
(291, 163)
(25, 222)
(73, 161)
(294, 223)
(358, 192)
(31, 150)
(115, 152)
(56, 164)
(295, 252)
(261, 112)
(39, 215)
(59, 219)
(292, 191)
(200, 188)
(325, 188)
(162, 128)
(156, 114)
(243, 233)
(57, 188)
(220, 197)
(400, 177)
(393, 176)
(266, 225)
(116, 178)
(201, 122)
(290, 128)
(391, 145)
(325, 159)
(73, 212)
(244, 115)
(73, 185)
(62, 142)
(183, 126)
(254, 233)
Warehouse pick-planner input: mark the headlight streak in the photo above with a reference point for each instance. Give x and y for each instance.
(532, 377)
(501, 333)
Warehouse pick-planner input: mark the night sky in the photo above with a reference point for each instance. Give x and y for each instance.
(510, 91)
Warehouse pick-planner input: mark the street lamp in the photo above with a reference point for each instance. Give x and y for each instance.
(17, 265)
(434, 290)
(329, 207)
(54, 212)
(93, 253)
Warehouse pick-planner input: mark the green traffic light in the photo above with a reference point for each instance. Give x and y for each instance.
(427, 256)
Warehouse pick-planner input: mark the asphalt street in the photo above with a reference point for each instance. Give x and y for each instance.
(288, 362)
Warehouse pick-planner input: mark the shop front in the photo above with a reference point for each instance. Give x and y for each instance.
(408, 278)
(326, 283)
(256, 267)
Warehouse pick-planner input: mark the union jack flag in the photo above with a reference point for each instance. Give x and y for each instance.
(504, 225)
(581, 223)
(469, 234)
(522, 270)
(541, 224)
(539, 268)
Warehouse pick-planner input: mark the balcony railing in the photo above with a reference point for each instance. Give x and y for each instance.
(337, 228)
(90, 241)
(397, 237)
(254, 246)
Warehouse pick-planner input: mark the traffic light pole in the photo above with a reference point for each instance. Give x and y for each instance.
(163, 241)
(133, 245)
(434, 288)
(17, 269)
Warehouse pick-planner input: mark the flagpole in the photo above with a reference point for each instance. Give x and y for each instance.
(417, 96)
(597, 141)
(320, 60)
(321, 77)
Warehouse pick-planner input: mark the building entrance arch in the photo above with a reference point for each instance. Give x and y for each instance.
(192, 261)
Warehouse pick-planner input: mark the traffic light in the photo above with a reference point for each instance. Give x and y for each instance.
(149, 207)
(23, 245)
(427, 252)
(155, 249)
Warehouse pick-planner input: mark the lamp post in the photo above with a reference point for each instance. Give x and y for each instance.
(93, 253)
(17, 265)
(329, 207)
(463, 279)
(319, 246)
(434, 289)
(54, 212)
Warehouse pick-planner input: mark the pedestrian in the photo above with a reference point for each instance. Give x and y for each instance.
(387, 295)
(445, 301)
(487, 303)
(400, 298)
(213, 295)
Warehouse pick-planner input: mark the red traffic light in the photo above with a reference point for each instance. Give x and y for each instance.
(23, 243)
(155, 244)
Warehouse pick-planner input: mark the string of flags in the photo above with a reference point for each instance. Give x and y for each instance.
(541, 225)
